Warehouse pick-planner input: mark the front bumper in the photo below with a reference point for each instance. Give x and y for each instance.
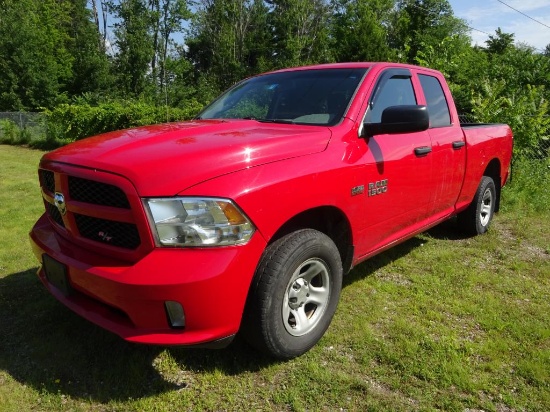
(128, 299)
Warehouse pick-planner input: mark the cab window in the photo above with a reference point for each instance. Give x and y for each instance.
(395, 91)
(435, 99)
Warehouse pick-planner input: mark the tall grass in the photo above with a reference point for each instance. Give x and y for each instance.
(529, 188)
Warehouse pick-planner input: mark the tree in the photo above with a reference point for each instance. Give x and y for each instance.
(301, 31)
(167, 18)
(500, 43)
(228, 39)
(35, 63)
(134, 46)
(90, 69)
(174, 12)
(360, 30)
(420, 23)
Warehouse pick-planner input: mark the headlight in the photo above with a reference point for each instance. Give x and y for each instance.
(191, 221)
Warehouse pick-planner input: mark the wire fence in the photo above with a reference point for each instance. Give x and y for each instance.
(23, 120)
(541, 152)
(22, 127)
(534, 151)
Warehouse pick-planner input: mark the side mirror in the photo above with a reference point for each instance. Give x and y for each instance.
(399, 119)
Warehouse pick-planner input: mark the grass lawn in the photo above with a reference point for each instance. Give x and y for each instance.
(439, 322)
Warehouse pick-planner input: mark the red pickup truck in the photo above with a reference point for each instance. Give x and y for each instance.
(246, 218)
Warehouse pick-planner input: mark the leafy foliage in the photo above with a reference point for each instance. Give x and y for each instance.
(499, 43)
(12, 133)
(134, 46)
(226, 39)
(526, 112)
(529, 187)
(73, 122)
(48, 52)
(360, 30)
(300, 31)
(423, 22)
(9, 132)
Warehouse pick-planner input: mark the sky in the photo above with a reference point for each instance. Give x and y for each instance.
(487, 15)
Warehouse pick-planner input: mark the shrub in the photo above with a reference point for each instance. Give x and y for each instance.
(11, 133)
(525, 111)
(67, 123)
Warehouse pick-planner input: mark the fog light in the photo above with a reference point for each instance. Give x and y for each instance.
(176, 317)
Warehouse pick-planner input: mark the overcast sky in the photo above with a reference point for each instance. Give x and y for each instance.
(488, 15)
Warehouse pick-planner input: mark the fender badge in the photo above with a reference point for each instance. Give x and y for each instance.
(379, 187)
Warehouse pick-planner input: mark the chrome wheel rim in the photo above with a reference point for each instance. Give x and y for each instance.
(486, 207)
(306, 297)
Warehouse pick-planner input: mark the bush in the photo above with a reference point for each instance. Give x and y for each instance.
(67, 123)
(525, 111)
(11, 133)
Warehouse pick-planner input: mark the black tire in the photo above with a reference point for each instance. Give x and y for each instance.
(476, 218)
(294, 294)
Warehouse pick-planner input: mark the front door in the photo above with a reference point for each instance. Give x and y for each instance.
(398, 169)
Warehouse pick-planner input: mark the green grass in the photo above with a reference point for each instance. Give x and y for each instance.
(439, 322)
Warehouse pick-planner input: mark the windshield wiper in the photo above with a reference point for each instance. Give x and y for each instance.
(285, 121)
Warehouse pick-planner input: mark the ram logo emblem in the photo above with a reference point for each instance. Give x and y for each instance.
(59, 201)
(357, 190)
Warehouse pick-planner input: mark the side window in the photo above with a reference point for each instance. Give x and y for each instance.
(395, 91)
(437, 104)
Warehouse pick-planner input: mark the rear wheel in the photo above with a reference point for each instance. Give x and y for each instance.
(476, 219)
(294, 294)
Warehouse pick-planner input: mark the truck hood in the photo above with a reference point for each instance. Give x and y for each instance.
(163, 160)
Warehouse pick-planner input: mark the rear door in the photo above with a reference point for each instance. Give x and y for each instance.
(448, 145)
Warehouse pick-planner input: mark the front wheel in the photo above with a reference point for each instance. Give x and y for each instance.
(476, 218)
(294, 294)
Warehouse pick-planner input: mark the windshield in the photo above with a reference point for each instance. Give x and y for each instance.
(318, 97)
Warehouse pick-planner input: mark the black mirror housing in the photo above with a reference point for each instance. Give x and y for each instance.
(399, 119)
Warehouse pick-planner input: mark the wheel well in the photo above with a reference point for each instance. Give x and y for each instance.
(326, 219)
(493, 171)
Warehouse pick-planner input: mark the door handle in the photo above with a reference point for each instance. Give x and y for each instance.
(459, 144)
(422, 151)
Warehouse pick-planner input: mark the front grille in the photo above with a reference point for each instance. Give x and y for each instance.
(99, 215)
(97, 193)
(109, 232)
(48, 180)
(53, 212)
